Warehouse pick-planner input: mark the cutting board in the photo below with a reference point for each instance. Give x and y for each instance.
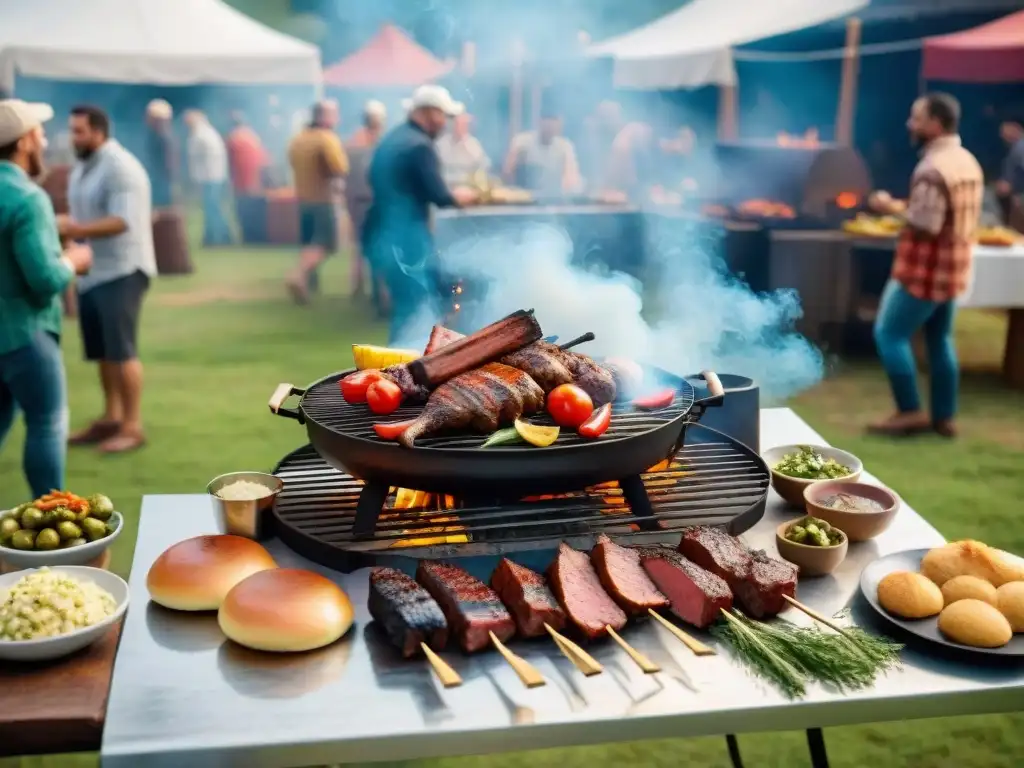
(58, 706)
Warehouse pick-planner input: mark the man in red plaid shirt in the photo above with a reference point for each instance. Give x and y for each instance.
(931, 270)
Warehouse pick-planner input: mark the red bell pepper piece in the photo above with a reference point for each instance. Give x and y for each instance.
(392, 430)
(661, 399)
(597, 424)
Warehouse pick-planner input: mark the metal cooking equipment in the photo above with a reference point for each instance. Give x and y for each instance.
(343, 434)
(740, 414)
(713, 481)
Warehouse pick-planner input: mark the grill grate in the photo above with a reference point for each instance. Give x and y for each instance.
(324, 405)
(709, 483)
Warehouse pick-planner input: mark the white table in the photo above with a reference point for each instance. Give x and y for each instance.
(182, 696)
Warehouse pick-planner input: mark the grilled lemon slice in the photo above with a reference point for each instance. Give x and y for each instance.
(368, 356)
(535, 434)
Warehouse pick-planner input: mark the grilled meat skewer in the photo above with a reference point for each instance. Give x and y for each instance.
(482, 400)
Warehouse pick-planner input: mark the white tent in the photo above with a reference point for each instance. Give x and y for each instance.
(692, 46)
(167, 42)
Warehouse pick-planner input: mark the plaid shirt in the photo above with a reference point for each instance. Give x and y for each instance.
(933, 258)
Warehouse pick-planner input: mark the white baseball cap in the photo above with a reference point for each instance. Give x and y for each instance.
(160, 109)
(436, 97)
(376, 109)
(18, 118)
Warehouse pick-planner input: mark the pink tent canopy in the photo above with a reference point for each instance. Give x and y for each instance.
(991, 53)
(390, 59)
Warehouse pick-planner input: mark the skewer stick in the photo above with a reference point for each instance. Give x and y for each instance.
(527, 673)
(648, 666)
(584, 662)
(588, 336)
(698, 648)
(448, 677)
(815, 615)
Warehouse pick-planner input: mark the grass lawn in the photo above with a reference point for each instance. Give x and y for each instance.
(217, 343)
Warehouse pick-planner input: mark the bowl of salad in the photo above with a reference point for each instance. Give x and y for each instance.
(794, 467)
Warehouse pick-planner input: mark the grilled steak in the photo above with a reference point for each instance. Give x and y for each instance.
(481, 400)
(697, 596)
(715, 550)
(471, 607)
(624, 578)
(761, 593)
(526, 595)
(577, 587)
(406, 612)
(550, 365)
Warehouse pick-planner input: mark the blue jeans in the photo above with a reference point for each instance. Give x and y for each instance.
(216, 230)
(32, 379)
(900, 315)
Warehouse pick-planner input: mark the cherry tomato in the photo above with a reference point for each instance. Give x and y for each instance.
(569, 405)
(383, 396)
(655, 400)
(391, 430)
(354, 386)
(598, 423)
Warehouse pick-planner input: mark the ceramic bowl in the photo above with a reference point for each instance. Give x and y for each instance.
(812, 561)
(87, 553)
(858, 526)
(49, 648)
(791, 489)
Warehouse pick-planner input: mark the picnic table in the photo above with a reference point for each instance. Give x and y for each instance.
(182, 695)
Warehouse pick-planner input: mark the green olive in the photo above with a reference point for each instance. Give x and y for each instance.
(69, 530)
(32, 518)
(63, 514)
(47, 539)
(8, 527)
(100, 507)
(73, 543)
(23, 539)
(94, 529)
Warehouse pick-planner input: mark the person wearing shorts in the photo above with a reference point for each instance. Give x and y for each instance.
(110, 199)
(318, 163)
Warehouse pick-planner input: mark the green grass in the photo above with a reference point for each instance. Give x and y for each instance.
(215, 345)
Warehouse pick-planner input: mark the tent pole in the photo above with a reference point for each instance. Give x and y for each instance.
(847, 109)
(727, 110)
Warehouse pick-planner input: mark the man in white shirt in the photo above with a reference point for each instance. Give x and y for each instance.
(460, 153)
(208, 170)
(543, 161)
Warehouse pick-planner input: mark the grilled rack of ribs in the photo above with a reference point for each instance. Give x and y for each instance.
(482, 399)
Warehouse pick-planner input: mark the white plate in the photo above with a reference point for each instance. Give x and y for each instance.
(50, 648)
(75, 556)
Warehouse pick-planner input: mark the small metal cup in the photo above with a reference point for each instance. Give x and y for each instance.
(246, 518)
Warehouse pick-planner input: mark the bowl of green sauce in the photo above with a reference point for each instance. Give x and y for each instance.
(795, 467)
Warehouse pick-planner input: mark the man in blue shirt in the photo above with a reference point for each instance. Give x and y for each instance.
(405, 178)
(1011, 179)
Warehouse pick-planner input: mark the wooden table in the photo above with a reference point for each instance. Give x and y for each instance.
(60, 706)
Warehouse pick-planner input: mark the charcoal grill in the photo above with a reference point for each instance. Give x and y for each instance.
(714, 480)
(455, 464)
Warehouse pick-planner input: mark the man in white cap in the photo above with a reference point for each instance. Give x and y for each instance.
(33, 275)
(161, 156)
(406, 180)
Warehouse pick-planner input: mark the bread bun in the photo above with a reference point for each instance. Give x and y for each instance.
(909, 595)
(196, 574)
(969, 588)
(1010, 602)
(975, 623)
(969, 558)
(285, 610)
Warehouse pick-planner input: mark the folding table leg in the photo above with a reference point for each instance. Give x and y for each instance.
(734, 751)
(816, 744)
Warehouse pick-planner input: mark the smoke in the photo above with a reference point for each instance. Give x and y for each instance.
(696, 316)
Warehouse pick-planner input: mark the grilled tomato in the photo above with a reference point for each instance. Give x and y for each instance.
(392, 430)
(598, 423)
(383, 396)
(354, 386)
(655, 400)
(569, 405)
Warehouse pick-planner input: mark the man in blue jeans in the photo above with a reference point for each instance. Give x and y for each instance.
(33, 274)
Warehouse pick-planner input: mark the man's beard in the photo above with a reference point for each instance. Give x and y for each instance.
(36, 166)
(84, 153)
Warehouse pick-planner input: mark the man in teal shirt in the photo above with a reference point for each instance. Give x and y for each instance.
(33, 274)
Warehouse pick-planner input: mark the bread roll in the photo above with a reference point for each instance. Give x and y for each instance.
(969, 558)
(1010, 603)
(909, 595)
(975, 623)
(285, 610)
(968, 588)
(196, 574)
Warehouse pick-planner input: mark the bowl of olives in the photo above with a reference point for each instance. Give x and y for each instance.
(39, 533)
(813, 545)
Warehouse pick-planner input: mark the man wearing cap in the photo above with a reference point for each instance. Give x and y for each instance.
(405, 178)
(33, 274)
(359, 196)
(161, 156)
(111, 209)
